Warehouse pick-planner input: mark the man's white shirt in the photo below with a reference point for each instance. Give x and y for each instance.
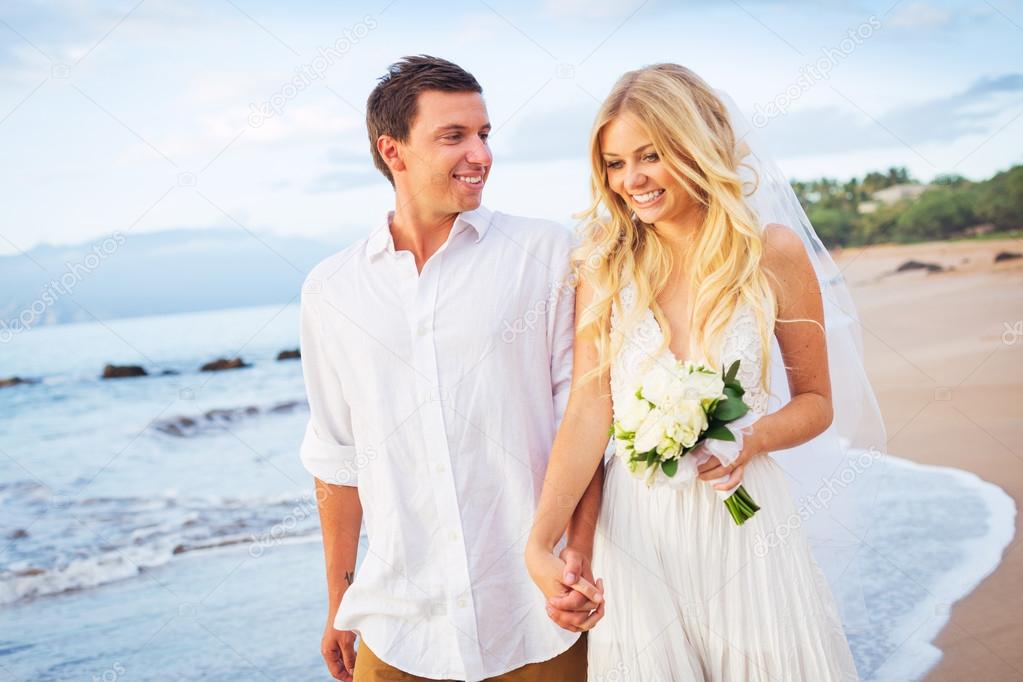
(438, 394)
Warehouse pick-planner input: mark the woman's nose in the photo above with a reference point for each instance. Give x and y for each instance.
(634, 180)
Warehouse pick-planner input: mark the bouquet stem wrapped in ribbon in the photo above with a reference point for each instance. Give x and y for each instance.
(681, 415)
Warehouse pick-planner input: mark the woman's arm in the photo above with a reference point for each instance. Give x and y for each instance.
(575, 455)
(801, 337)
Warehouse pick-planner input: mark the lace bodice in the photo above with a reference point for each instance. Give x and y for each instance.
(741, 342)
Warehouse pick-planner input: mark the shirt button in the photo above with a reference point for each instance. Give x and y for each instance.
(462, 603)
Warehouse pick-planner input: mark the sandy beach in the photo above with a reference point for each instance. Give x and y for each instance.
(944, 353)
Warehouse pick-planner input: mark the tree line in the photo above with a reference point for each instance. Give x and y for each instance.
(950, 206)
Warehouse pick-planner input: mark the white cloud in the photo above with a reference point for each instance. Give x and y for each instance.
(189, 94)
(477, 28)
(920, 15)
(591, 9)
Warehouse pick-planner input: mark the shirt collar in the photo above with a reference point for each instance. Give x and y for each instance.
(380, 240)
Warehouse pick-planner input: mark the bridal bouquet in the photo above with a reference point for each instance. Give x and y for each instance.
(680, 408)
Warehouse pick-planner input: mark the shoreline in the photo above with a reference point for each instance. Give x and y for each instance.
(984, 555)
(944, 358)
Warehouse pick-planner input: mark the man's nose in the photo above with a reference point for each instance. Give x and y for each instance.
(479, 154)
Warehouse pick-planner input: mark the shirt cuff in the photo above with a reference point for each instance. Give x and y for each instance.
(329, 461)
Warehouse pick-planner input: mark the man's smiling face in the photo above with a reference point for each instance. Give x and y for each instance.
(446, 157)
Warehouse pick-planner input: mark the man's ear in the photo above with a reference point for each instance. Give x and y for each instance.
(390, 152)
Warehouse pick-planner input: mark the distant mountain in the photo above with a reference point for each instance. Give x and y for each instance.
(154, 273)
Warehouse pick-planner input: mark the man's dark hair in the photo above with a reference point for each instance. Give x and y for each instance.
(391, 107)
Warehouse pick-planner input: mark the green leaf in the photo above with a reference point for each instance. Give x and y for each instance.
(719, 432)
(669, 467)
(732, 372)
(731, 409)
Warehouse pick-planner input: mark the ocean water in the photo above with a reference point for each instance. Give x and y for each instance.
(162, 527)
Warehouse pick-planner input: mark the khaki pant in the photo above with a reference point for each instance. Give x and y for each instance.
(569, 666)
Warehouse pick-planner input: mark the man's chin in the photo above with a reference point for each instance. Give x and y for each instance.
(470, 203)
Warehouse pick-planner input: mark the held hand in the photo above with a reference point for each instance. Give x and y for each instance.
(713, 469)
(548, 572)
(338, 650)
(573, 610)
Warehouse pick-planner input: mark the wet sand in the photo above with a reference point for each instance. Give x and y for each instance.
(945, 355)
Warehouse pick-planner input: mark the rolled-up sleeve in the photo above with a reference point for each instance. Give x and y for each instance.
(561, 327)
(328, 448)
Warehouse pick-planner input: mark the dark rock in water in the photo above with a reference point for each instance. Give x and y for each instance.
(221, 415)
(30, 571)
(122, 371)
(17, 534)
(230, 414)
(919, 265)
(14, 381)
(219, 419)
(288, 406)
(178, 426)
(223, 363)
(289, 354)
(169, 372)
(1008, 255)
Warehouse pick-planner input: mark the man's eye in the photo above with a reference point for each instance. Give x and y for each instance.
(484, 136)
(453, 138)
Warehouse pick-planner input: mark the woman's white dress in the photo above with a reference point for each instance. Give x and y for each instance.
(690, 595)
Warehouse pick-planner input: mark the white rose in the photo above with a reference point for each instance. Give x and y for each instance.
(707, 386)
(656, 383)
(651, 431)
(633, 412)
(677, 391)
(623, 449)
(691, 421)
(668, 448)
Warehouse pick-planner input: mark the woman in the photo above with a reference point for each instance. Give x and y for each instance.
(676, 266)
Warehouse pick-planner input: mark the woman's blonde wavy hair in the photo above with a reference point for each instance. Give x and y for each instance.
(690, 130)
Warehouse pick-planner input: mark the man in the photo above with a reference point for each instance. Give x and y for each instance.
(437, 360)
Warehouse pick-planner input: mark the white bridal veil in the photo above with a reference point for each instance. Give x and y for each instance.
(834, 477)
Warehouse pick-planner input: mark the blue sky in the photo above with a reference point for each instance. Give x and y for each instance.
(138, 116)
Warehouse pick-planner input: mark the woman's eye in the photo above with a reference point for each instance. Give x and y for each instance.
(651, 157)
(614, 164)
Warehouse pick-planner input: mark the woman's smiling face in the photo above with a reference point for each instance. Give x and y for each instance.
(636, 172)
